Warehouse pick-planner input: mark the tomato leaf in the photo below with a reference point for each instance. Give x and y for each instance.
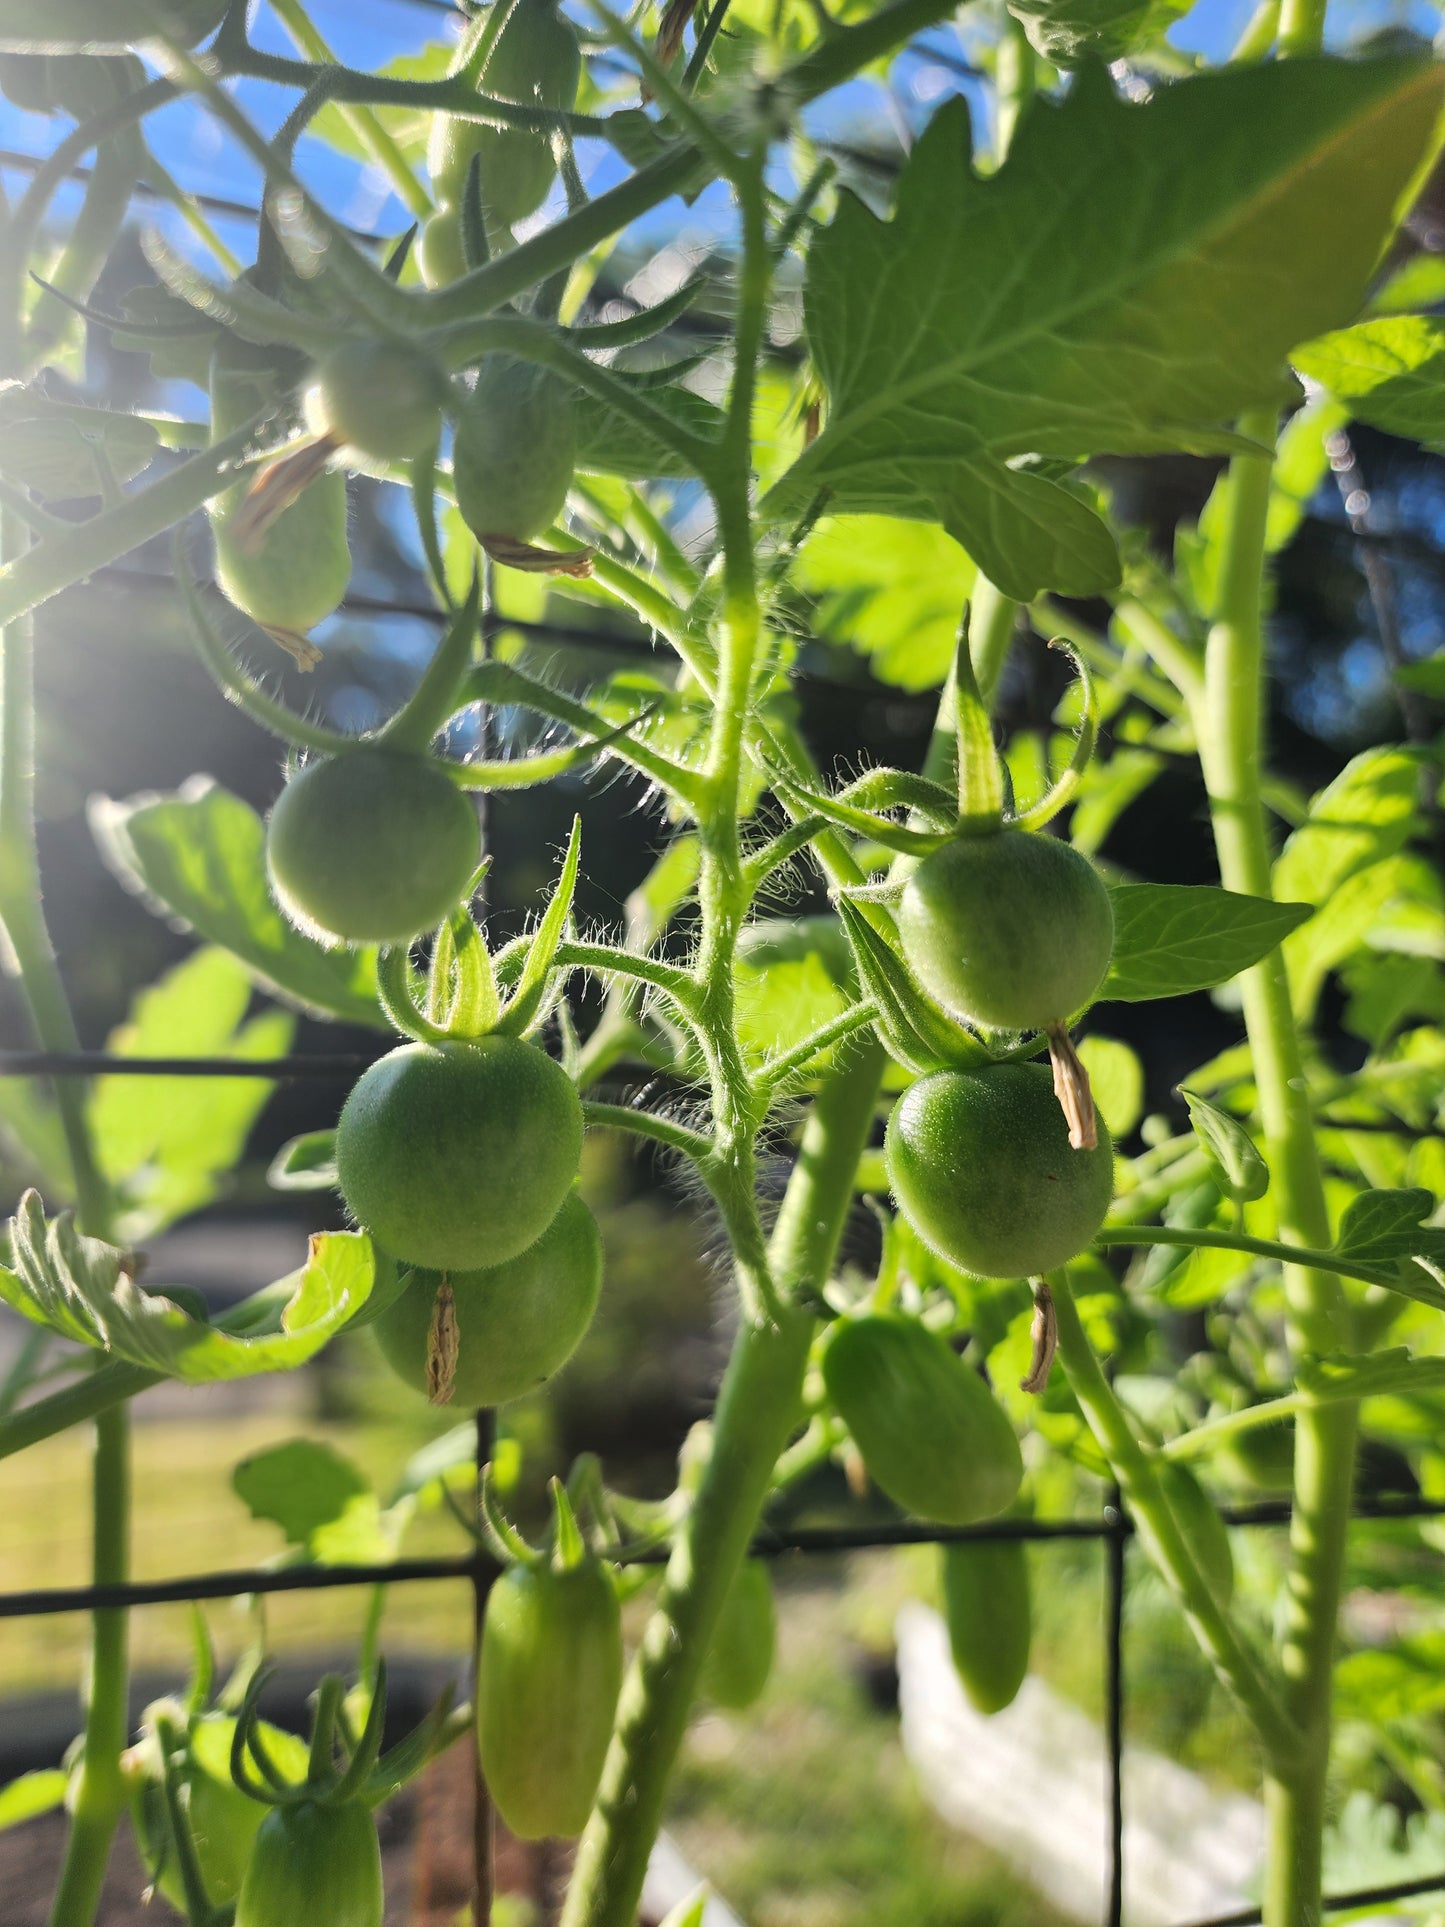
(80, 1288)
(31, 1795)
(61, 449)
(1173, 938)
(892, 590)
(165, 1143)
(198, 858)
(1068, 304)
(612, 443)
(1370, 1375)
(1391, 372)
(1230, 1152)
(319, 1499)
(1068, 31)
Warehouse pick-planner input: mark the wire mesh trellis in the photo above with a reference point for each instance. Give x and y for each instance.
(1113, 1527)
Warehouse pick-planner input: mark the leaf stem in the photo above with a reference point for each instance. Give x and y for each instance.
(1167, 1544)
(1328, 1264)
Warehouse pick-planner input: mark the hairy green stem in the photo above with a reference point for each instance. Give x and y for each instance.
(99, 1793)
(87, 1398)
(1327, 1264)
(1227, 714)
(760, 1403)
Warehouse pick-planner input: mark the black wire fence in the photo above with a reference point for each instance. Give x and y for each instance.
(1113, 1527)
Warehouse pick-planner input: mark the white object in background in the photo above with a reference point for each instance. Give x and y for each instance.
(1032, 1783)
(670, 1879)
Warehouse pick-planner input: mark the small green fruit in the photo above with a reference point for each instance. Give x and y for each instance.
(314, 1863)
(1197, 1517)
(517, 1322)
(458, 1156)
(372, 846)
(515, 451)
(740, 1657)
(536, 62)
(548, 1675)
(931, 1433)
(1011, 929)
(989, 1614)
(382, 398)
(982, 1168)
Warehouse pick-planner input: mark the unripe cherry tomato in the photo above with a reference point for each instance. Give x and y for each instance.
(931, 1433)
(548, 1675)
(296, 573)
(516, 449)
(537, 62)
(988, 1612)
(375, 845)
(382, 398)
(740, 1657)
(517, 1322)
(1009, 929)
(458, 1156)
(314, 1863)
(982, 1168)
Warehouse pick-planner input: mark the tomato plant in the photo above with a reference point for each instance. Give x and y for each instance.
(763, 403)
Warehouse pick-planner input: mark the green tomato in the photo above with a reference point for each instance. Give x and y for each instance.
(313, 1862)
(982, 1168)
(549, 1671)
(440, 255)
(459, 1155)
(382, 398)
(224, 1821)
(1012, 930)
(931, 1433)
(536, 61)
(103, 26)
(1197, 1517)
(515, 450)
(297, 573)
(372, 846)
(517, 1322)
(740, 1657)
(987, 1610)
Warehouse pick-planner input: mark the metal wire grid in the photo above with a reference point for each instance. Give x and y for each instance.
(1113, 1527)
